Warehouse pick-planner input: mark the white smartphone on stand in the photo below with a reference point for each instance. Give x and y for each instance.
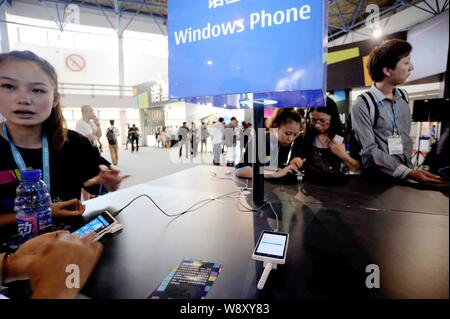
(270, 249)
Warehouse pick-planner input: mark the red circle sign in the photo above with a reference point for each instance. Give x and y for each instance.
(75, 62)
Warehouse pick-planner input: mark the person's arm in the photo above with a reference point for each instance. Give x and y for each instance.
(69, 208)
(7, 219)
(95, 124)
(44, 260)
(3, 271)
(244, 172)
(298, 162)
(362, 125)
(426, 177)
(292, 168)
(339, 150)
(95, 170)
(49, 273)
(88, 164)
(247, 172)
(63, 209)
(98, 131)
(108, 177)
(17, 264)
(85, 129)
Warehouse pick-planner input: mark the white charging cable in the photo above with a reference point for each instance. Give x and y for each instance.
(265, 275)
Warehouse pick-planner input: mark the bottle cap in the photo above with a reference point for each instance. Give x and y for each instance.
(31, 174)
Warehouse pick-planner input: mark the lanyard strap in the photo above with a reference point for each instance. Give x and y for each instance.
(318, 150)
(20, 162)
(289, 154)
(392, 117)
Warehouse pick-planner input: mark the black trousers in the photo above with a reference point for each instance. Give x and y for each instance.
(133, 140)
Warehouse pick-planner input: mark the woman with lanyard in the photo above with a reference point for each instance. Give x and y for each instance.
(324, 147)
(282, 159)
(33, 136)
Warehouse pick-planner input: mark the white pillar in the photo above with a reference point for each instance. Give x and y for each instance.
(4, 30)
(121, 65)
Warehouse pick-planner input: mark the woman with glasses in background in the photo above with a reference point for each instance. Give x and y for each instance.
(328, 154)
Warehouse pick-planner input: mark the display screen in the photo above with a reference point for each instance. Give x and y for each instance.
(96, 225)
(272, 245)
(219, 48)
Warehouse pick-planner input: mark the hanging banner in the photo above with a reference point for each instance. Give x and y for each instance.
(223, 47)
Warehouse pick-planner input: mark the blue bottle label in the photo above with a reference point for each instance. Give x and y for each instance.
(44, 215)
(28, 227)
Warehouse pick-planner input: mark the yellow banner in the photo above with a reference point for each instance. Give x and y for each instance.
(342, 55)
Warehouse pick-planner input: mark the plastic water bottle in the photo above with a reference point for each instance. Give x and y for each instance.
(32, 206)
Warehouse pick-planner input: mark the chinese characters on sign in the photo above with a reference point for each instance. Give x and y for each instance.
(214, 4)
(25, 229)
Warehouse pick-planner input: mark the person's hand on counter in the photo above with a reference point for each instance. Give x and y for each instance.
(428, 178)
(48, 273)
(18, 263)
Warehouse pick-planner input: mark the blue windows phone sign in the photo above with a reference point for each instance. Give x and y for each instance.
(219, 47)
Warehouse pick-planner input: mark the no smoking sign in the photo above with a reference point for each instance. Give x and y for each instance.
(75, 62)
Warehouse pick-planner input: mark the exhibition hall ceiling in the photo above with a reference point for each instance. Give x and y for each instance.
(344, 15)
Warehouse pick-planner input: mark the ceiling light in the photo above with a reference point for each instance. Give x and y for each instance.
(377, 33)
